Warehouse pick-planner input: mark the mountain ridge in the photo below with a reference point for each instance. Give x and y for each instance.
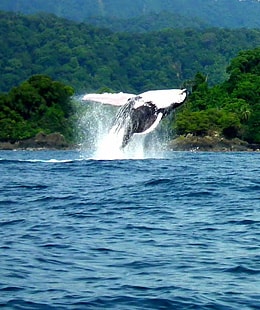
(216, 13)
(88, 58)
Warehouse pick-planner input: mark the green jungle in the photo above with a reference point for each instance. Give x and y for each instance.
(45, 60)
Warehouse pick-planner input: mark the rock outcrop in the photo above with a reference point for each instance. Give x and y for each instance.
(211, 143)
(40, 141)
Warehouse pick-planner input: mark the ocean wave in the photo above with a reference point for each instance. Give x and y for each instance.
(128, 234)
(21, 304)
(242, 269)
(52, 160)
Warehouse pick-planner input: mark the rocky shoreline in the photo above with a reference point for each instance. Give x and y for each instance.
(56, 141)
(53, 141)
(211, 144)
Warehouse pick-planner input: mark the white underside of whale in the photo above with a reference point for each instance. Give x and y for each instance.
(160, 98)
(117, 99)
(164, 98)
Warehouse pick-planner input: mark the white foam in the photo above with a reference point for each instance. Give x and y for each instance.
(105, 144)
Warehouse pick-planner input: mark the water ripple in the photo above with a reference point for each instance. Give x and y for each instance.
(179, 232)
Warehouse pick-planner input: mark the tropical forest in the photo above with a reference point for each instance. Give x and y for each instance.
(48, 61)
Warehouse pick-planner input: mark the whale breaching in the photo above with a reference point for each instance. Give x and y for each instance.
(140, 114)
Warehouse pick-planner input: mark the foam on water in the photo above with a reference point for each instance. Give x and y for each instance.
(104, 141)
(29, 160)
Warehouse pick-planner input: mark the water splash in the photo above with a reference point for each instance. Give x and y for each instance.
(103, 142)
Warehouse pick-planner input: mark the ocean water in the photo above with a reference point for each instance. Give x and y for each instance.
(176, 231)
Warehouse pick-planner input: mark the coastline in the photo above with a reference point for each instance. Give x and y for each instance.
(211, 144)
(53, 141)
(56, 141)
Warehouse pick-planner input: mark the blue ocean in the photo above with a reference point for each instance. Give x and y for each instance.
(175, 231)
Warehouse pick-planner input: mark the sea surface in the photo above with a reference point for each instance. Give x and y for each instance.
(180, 231)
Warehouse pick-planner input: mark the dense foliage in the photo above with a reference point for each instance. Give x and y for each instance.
(88, 58)
(218, 13)
(49, 53)
(232, 108)
(148, 22)
(37, 105)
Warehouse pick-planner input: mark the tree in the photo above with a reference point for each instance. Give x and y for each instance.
(231, 108)
(38, 104)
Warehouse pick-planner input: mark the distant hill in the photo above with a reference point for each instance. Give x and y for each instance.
(217, 13)
(89, 58)
(149, 22)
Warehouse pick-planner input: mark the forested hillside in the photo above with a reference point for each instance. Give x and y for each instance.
(230, 109)
(88, 58)
(148, 22)
(219, 13)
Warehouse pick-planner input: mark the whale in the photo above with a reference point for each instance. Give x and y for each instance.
(140, 114)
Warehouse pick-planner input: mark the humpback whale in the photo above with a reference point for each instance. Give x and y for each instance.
(141, 113)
